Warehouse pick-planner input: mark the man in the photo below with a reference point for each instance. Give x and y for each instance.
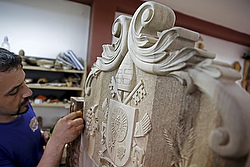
(21, 142)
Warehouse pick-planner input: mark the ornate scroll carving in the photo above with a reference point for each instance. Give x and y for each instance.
(112, 54)
(171, 53)
(135, 83)
(161, 48)
(232, 139)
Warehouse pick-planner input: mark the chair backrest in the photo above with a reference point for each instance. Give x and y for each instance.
(154, 99)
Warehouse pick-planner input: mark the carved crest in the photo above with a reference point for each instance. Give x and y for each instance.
(120, 128)
(132, 82)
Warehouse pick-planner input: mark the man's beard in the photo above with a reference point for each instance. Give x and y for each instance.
(19, 107)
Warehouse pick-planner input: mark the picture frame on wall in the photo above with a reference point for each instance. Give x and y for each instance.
(246, 74)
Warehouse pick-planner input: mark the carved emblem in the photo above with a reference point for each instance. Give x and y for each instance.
(120, 128)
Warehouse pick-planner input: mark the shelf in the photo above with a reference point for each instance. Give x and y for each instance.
(59, 104)
(53, 87)
(51, 69)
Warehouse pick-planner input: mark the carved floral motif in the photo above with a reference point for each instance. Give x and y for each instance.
(92, 120)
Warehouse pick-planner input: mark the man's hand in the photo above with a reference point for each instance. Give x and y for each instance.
(45, 136)
(68, 128)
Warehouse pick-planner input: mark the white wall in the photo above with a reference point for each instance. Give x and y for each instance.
(50, 115)
(44, 28)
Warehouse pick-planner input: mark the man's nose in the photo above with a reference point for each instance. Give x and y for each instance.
(27, 91)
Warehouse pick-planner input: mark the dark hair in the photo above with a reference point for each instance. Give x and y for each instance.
(9, 60)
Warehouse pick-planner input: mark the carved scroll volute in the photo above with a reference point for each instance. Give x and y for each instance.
(112, 55)
(155, 46)
(218, 82)
(149, 19)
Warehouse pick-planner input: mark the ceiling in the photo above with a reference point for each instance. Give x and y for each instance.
(233, 14)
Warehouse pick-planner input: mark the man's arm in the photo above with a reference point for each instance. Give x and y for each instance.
(66, 130)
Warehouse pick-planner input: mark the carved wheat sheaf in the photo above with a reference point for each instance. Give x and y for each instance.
(181, 151)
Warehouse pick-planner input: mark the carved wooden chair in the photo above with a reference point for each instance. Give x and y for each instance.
(153, 99)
